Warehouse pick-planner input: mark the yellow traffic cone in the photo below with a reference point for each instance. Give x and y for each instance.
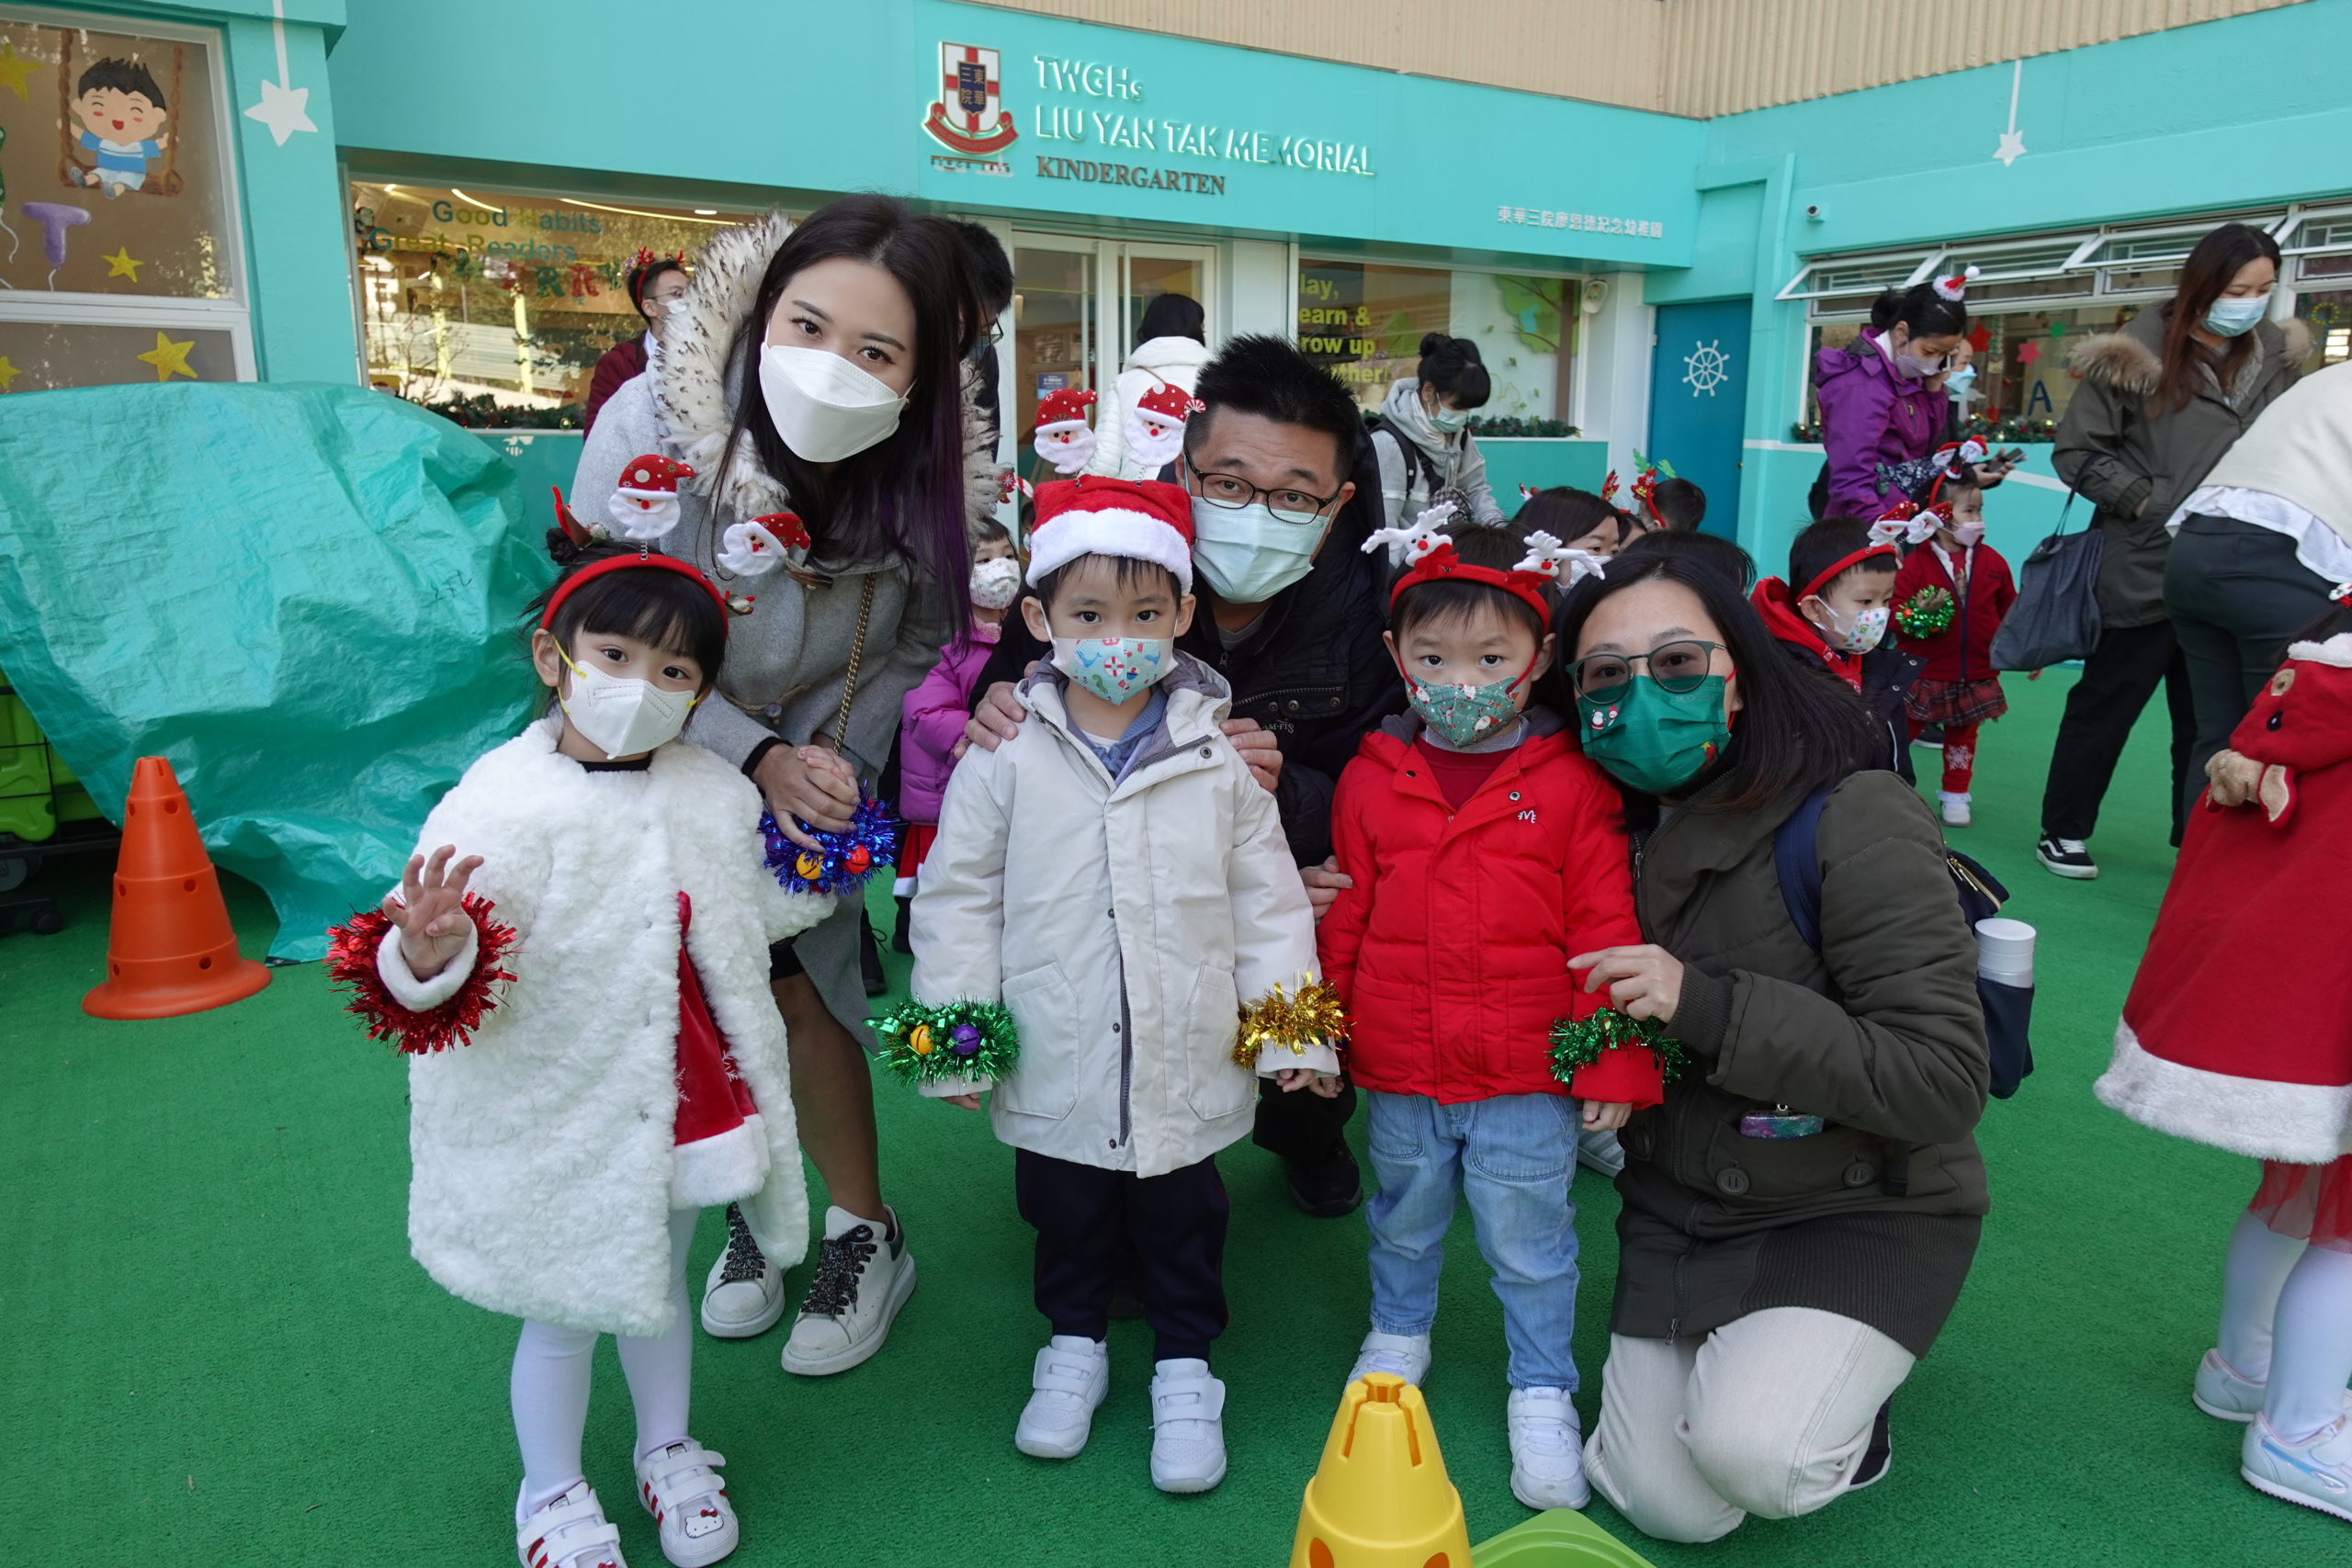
(1380, 1499)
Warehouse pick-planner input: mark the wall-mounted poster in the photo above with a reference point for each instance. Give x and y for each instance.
(113, 178)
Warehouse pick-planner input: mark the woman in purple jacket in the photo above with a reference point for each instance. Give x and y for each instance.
(1882, 396)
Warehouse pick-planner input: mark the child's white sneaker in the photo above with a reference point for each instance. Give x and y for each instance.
(569, 1532)
(1071, 1375)
(1405, 1356)
(2222, 1392)
(680, 1486)
(744, 1293)
(2315, 1473)
(1187, 1426)
(1955, 809)
(2227, 1394)
(1547, 1450)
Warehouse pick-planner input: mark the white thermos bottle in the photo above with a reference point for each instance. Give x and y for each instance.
(2004, 951)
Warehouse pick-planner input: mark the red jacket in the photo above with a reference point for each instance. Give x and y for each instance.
(1450, 952)
(621, 363)
(1962, 650)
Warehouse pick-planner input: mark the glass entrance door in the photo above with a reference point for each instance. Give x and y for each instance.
(1057, 331)
(1148, 271)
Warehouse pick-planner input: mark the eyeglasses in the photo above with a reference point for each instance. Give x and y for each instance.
(1234, 493)
(1678, 667)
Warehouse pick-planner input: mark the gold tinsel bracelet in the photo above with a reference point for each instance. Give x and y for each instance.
(1291, 1023)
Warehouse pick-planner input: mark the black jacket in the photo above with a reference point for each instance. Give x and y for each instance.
(1313, 668)
(1887, 675)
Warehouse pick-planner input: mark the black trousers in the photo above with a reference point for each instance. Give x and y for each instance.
(2237, 596)
(1301, 1126)
(2119, 678)
(1086, 1217)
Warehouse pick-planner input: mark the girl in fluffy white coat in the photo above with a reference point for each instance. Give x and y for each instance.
(592, 1054)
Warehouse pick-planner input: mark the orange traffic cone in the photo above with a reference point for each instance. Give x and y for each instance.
(172, 949)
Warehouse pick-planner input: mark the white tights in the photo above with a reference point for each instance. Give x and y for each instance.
(2287, 1321)
(549, 1388)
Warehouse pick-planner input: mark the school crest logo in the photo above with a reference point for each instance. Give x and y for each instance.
(969, 116)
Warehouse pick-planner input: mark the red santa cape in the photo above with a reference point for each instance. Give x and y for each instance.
(2238, 1030)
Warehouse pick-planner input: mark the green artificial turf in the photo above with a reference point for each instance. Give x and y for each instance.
(218, 1352)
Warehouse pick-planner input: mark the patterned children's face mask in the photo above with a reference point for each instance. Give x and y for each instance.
(1464, 714)
(1114, 668)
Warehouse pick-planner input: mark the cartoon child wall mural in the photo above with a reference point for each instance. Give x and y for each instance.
(121, 112)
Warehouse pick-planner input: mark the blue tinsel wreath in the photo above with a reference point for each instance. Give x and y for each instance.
(849, 858)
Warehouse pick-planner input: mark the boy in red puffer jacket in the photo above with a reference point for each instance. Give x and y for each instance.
(1949, 598)
(1485, 850)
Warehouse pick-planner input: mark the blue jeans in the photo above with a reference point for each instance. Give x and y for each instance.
(1513, 1155)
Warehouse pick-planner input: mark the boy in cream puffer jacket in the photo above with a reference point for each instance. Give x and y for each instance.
(1117, 879)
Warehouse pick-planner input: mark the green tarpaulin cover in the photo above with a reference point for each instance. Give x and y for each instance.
(306, 597)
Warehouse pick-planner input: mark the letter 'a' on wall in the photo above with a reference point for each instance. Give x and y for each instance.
(121, 247)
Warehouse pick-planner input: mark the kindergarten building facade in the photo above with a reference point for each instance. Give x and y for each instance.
(441, 198)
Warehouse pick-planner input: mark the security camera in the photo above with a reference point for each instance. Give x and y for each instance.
(1596, 295)
(1813, 211)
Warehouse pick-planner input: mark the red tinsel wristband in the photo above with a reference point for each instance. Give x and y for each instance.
(351, 963)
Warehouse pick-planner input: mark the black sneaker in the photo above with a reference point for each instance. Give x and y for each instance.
(2066, 857)
(1877, 1458)
(1327, 1186)
(901, 936)
(869, 959)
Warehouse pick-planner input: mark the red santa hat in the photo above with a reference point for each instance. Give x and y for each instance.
(652, 478)
(1063, 406)
(1170, 401)
(1092, 515)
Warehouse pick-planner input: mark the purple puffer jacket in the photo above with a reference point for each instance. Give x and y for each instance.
(1868, 416)
(931, 721)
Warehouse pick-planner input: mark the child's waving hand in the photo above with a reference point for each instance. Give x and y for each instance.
(429, 909)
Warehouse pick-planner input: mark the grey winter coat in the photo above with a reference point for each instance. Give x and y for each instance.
(1874, 1217)
(2137, 465)
(787, 660)
(1405, 476)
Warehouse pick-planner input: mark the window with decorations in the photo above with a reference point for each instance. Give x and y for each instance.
(493, 308)
(2035, 294)
(1365, 320)
(120, 250)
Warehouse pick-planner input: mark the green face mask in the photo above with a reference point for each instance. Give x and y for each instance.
(1652, 739)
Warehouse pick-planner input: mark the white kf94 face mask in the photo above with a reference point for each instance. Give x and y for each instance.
(825, 407)
(623, 717)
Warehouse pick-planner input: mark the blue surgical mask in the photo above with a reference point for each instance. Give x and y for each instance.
(1959, 380)
(1247, 555)
(2229, 318)
(1447, 421)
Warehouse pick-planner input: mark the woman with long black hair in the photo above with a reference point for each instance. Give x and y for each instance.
(818, 370)
(1800, 1214)
(2159, 401)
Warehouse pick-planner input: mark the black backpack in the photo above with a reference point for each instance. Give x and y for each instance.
(2008, 1009)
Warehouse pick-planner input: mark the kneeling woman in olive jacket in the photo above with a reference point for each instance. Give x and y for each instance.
(1799, 1214)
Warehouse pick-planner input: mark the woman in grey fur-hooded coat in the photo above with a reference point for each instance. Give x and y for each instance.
(787, 660)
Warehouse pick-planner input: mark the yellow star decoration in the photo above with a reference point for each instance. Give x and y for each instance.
(123, 265)
(14, 68)
(8, 373)
(169, 357)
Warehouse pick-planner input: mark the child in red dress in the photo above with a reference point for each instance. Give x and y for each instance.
(1949, 598)
(2196, 1057)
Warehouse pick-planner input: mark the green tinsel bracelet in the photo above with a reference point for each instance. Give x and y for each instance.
(1580, 1042)
(955, 1040)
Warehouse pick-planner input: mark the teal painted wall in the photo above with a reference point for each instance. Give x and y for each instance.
(1445, 157)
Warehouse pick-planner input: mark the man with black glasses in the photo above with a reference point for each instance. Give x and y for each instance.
(1285, 493)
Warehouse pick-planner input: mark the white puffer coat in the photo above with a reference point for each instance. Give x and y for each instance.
(1123, 925)
(544, 1169)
